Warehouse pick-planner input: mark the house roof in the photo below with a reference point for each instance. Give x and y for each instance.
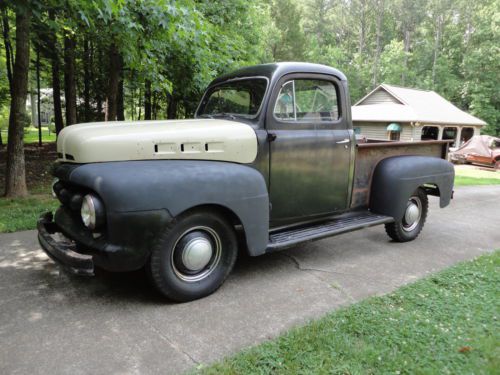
(410, 105)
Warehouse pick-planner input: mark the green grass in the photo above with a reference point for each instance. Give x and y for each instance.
(468, 181)
(31, 135)
(22, 213)
(467, 175)
(444, 324)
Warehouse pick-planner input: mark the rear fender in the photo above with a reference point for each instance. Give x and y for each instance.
(396, 178)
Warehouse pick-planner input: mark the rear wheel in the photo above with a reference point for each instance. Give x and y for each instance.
(194, 256)
(410, 226)
(497, 165)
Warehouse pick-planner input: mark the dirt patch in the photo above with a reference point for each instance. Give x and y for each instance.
(38, 164)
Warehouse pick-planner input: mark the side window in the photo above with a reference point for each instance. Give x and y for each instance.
(285, 104)
(307, 100)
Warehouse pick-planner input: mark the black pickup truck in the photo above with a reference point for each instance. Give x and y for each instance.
(269, 162)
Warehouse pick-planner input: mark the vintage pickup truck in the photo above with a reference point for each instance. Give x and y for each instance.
(269, 162)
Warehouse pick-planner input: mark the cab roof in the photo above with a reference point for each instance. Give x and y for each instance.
(274, 71)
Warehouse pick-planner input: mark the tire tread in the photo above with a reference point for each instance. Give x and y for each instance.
(395, 230)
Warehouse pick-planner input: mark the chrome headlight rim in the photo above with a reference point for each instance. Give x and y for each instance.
(54, 182)
(91, 212)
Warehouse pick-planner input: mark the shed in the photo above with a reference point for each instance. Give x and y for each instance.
(400, 113)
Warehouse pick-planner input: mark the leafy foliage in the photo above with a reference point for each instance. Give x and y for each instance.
(153, 58)
(177, 47)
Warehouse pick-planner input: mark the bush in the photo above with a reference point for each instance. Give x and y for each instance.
(52, 128)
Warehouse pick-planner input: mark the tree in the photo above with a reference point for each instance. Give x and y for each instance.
(15, 181)
(69, 78)
(53, 50)
(290, 44)
(380, 4)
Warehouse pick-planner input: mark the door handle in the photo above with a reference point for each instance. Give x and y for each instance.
(343, 141)
(271, 137)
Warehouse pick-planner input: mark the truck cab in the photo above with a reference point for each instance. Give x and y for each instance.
(269, 161)
(303, 124)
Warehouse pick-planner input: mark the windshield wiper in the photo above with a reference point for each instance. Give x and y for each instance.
(206, 116)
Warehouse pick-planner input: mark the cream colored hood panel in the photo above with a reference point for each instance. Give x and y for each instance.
(203, 139)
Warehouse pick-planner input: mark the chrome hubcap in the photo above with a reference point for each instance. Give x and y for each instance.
(196, 254)
(412, 214)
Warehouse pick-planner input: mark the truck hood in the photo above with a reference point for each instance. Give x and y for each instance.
(203, 139)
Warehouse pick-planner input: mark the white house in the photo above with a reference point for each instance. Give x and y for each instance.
(46, 106)
(400, 113)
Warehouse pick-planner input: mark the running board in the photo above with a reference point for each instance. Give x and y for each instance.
(342, 224)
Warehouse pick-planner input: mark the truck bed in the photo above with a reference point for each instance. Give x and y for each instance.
(370, 152)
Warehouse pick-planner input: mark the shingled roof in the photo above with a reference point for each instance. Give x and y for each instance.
(388, 103)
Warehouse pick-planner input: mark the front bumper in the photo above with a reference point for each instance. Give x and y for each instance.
(62, 251)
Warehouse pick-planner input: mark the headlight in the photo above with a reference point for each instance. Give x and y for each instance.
(92, 211)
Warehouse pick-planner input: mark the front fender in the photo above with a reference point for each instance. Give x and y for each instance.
(178, 185)
(396, 178)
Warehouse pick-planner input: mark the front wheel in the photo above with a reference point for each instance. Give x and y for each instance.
(410, 226)
(194, 256)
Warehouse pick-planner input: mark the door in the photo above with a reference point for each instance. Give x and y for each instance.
(310, 149)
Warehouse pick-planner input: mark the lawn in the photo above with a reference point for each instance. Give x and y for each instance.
(31, 135)
(444, 324)
(22, 213)
(469, 175)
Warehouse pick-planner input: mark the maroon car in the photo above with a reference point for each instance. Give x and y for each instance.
(480, 149)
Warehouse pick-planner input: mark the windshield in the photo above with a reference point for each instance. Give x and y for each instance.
(241, 98)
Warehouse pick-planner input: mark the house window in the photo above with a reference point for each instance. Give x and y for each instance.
(450, 133)
(394, 136)
(357, 130)
(394, 131)
(430, 133)
(467, 133)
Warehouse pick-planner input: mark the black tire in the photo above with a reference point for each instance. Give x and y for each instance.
(401, 231)
(166, 269)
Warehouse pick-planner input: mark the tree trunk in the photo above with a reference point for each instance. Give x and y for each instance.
(69, 79)
(407, 34)
(15, 176)
(31, 93)
(113, 83)
(56, 80)
(86, 81)
(100, 84)
(378, 50)
(147, 100)
(155, 105)
(140, 105)
(172, 108)
(99, 108)
(362, 31)
(9, 56)
(120, 116)
(437, 42)
(132, 104)
(38, 99)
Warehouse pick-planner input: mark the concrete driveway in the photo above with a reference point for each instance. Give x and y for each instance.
(54, 323)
